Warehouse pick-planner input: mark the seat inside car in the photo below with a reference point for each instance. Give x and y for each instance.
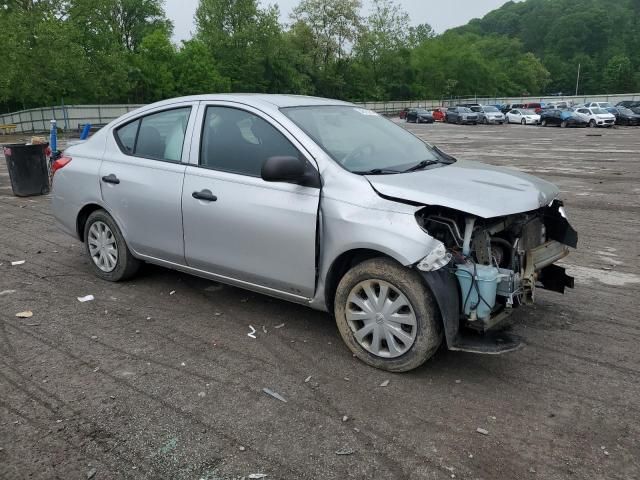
(150, 143)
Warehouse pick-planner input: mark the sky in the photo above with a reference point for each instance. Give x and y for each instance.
(440, 14)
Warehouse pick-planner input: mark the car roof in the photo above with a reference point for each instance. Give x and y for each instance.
(275, 100)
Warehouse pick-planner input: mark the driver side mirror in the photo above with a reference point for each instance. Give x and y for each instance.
(291, 170)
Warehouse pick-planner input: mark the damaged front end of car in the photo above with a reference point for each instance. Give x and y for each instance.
(495, 265)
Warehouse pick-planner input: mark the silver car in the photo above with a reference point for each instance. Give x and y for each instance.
(322, 203)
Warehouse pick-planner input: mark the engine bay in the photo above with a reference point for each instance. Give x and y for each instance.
(500, 261)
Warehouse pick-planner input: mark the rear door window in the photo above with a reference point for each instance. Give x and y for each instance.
(159, 136)
(126, 136)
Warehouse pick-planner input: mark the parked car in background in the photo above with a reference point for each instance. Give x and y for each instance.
(511, 106)
(419, 115)
(523, 116)
(562, 118)
(408, 246)
(633, 105)
(625, 116)
(461, 115)
(489, 114)
(535, 106)
(557, 106)
(596, 116)
(440, 114)
(598, 105)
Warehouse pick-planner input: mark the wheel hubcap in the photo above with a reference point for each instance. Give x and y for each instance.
(381, 318)
(103, 248)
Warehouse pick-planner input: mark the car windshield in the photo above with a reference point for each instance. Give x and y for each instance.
(599, 111)
(528, 112)
(476, 109)
(625, 111)
(465, 110)
(361, 140)
(422, 111)
(490, 109)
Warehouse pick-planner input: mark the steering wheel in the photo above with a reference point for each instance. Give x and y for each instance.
(358, 153)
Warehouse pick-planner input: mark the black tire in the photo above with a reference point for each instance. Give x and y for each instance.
(127, 265)
(592, 123)
(523, 122)
(428, 324)
(485, 121)
(459, 121)
(543, 123)
(563, 124)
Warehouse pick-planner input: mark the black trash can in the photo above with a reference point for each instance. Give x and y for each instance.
(27, 165)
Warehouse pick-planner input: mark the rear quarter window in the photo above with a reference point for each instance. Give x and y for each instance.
(127, 136)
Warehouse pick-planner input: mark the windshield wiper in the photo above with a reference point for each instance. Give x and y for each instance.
(378, 171)
(421, 165)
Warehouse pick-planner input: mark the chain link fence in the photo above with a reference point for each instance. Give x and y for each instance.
(72, 117)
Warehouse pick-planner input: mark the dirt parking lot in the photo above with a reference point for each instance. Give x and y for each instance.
(157, 379)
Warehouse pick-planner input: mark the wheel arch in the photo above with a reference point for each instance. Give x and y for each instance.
(342, 264)
(83, 216)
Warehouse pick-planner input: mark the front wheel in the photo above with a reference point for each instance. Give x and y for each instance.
(592, 124)
(523, 122)
(563, 124)
(110, 257)
(543, 123)
(387, 316)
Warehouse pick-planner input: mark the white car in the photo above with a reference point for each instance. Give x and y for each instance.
(604, 105)
(523, 116)
(597, 117)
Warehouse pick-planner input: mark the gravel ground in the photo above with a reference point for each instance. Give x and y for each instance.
(157, 379)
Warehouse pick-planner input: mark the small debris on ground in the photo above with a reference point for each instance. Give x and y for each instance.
(241, 448)
(25, 314)
(183, 364)
(277, 326)
(345, 451)
(217, 314)
(458, 381)
(482, 431)
(258, 475)
(91, 473)
(385, 383)
(17, 262)
(346, 379)
(252, 332)
(86, 298)
(172, 292)
(201, 394)
(345, 418)
(94, 337)
(275, 395)
(306, 380)
(264, 329)
(8, 292)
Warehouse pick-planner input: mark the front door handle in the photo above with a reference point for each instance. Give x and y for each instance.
(111, 178)
(205, 195)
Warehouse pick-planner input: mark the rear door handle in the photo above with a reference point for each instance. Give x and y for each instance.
(205, 195)
(111, 178)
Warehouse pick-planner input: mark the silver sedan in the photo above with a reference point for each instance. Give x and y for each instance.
(322, 203)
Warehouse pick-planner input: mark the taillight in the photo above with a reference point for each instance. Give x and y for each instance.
(59, 163)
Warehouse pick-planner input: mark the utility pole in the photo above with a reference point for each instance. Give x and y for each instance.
(578, 80)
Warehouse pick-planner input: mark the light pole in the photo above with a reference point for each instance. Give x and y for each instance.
(578, 80)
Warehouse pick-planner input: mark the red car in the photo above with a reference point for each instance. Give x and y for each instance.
(439, 114)
(403, 113)
(536, 107)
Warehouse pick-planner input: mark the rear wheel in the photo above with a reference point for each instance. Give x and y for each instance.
(459, 121)
(387, 316)
(543, 123)
(563, 124)
(524, 121)
(592, 124)
(110, 257)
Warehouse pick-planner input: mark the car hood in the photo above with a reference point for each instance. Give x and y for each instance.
(472, 187)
